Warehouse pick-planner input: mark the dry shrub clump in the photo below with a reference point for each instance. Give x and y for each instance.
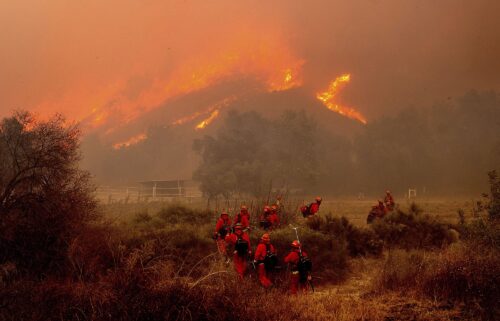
(414, 230)
(328, 254)
(460, 273)
(359, 241)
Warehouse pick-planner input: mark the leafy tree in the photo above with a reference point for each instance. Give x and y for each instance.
(44, 197)
(234, 161)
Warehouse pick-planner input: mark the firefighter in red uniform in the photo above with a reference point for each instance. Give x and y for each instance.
(242, 219)
(264, 218)
(382, 209)
(244, 212)
(265, 258)
(242, 250)
(222, 228)
(273, 218)
(299, 275)
(314, 207)
(389, 201)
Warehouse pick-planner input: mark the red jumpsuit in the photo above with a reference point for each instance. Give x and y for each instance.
(260, 255)
(274, 220)
(389, 202)
(246, 214)
(240, 262)
(221, 225)
(314, 208)
(293, 259)
(242, 219)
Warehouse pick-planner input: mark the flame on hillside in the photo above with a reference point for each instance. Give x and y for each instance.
(131, 141)
(328, 99)
(267, 61)
(216, 106)
(208, 120)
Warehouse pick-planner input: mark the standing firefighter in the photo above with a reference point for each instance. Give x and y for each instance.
(242, 249)
(264, 218)
(266, 259)
(244, 212)
(389, 201)
(300, 266)
(273, 218)
(242, 218)
(222, 228)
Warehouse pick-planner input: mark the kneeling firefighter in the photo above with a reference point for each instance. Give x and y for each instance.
(300, 267)
(266, 259)
(242, 250)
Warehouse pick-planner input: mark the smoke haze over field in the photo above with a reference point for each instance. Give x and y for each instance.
(73, 57)
(161, 73)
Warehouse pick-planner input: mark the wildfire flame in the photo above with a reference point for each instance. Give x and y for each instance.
(218, 105)
(131, 141)
(328, 99)
(269, 61)
(208, 120)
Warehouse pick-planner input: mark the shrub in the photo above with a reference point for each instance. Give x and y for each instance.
(470, 275)
(461, 274)
(178, 214)
(142, 217)
(360, 241)
(403, 270)
(413, 230)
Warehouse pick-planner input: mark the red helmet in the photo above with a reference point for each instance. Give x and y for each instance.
(238, 226)
(267, 208)
(266, 237)
(295, 244)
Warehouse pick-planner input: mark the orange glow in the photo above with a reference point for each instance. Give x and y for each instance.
(203, 124)
(218, 105)
(328, 99)
(131, 141)
(267, 60)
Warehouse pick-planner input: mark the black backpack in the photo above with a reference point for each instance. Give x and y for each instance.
(241, 247)
(224, 230)
(271, 259)
(304, 267)
(306, 210)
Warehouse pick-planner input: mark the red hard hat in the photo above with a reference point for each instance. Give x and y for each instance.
(238, 226)
(265, 237)
(295, 244)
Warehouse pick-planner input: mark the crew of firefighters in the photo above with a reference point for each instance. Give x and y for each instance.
(234, 235)
(380, 209)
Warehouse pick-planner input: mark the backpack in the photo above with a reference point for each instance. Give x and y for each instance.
(306, 210)
(241, 247)
(271, 259)
(224, 230)
(304, 267)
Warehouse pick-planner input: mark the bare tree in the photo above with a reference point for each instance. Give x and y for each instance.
(44, 197)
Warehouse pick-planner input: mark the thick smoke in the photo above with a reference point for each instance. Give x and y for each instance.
(69, 57)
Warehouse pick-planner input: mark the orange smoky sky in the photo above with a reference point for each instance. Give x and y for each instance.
(92, 59)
